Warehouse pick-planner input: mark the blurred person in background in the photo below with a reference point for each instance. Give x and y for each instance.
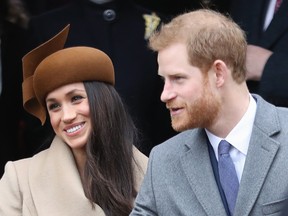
(13, 27)
(265, 23)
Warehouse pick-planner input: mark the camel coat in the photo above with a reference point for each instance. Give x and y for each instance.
(49, 184)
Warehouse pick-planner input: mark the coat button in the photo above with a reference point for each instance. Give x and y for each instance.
(109, 15)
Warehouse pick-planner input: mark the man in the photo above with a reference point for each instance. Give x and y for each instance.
(201, 58)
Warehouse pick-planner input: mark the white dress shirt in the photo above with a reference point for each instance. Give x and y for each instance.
(269, 14)
(239, 138)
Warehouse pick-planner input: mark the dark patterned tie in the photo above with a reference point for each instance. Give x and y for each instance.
(227, 174)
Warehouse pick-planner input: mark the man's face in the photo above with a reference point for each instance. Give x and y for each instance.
(187, 92)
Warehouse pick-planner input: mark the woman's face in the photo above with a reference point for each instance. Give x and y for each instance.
(69, 113)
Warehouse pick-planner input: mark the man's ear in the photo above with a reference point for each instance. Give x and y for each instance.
(221, 71)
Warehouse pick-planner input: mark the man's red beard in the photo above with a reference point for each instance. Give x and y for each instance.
(200, 114)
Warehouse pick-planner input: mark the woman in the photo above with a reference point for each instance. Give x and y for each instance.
(91, 167)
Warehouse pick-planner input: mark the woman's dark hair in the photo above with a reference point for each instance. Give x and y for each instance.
(108, 173)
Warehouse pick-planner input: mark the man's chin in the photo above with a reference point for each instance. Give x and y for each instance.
(183, 126)
(178, 127)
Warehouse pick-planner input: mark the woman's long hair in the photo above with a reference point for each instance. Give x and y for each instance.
(108, 173)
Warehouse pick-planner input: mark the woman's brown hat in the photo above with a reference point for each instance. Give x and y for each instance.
(50, 66)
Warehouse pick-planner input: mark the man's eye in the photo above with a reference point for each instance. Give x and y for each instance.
(177, 78)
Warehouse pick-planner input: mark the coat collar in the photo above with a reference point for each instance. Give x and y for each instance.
(199, 173)
(261, 153)
(56, 186)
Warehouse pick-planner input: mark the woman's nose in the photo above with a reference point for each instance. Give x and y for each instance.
(68, 113)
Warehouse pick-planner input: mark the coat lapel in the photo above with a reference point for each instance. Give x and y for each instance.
(198, 169)
(261, 153)
(56, 188)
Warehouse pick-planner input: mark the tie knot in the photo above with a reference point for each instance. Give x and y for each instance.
(223, 147)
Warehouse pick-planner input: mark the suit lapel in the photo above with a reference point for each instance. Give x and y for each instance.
(261, 153)
(198, 170)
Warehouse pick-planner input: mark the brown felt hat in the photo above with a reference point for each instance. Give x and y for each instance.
(50, 66)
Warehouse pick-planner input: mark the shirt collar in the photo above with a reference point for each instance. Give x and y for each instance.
(239, 137)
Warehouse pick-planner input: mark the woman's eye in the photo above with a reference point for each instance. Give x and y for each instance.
(76, 98)
(53, 106)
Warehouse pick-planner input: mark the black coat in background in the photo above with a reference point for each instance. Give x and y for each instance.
(250, 15)
(122, 38)
(11, 111)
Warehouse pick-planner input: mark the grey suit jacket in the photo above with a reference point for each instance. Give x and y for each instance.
(180, 179)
